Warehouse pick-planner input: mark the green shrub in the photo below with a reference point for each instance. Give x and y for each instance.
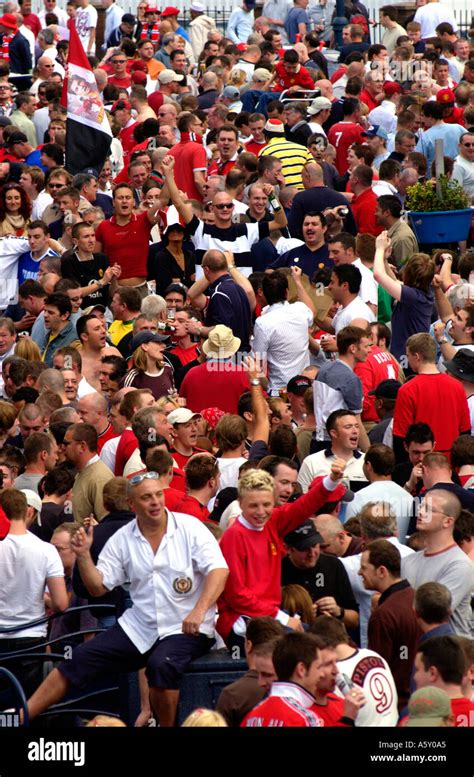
(423, 197)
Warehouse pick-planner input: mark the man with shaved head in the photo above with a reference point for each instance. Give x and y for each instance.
(93, 409)
(442, 561)
(337, 542)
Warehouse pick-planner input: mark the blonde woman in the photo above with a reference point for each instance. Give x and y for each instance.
(27, 349)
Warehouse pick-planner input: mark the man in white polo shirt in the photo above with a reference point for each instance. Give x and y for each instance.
(176, 573)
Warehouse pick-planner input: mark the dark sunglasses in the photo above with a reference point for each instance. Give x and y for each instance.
(224, 206)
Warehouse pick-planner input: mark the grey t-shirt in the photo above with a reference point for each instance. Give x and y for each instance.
(455, 570)
(27, 481)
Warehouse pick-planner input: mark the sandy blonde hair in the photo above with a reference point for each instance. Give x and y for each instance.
(27, 349)
(255, 480)
(203, 718)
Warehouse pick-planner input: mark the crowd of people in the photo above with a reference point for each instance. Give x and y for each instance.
(236, 393)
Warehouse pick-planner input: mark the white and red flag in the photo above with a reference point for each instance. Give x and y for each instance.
(88, 133)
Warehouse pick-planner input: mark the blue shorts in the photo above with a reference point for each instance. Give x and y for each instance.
(113, 652)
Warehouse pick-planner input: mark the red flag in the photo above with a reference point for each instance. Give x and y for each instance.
(88, 134)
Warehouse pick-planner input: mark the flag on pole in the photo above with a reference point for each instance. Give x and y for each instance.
(88, 133)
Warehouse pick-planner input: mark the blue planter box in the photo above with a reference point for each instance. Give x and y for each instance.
(447, 226)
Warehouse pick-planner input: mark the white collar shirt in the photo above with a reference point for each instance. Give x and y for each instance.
(281, 337)
(165, 586)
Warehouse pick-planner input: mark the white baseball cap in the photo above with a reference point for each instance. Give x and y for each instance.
(182, 415)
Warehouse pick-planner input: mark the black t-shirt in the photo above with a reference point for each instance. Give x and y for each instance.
(86, 273)
(327, 578)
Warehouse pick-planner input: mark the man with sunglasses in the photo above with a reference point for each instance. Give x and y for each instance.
(223, 235)
(176, 573)
(6, 101)
(48, 208)
(464, 164)
(119, 78)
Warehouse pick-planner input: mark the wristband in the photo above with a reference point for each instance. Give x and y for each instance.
(340, 617)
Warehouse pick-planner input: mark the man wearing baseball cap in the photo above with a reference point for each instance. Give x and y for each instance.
(169, 81)
(185, 425)
(384, 397)
(323, 576)
(295, 391)
(171, 13)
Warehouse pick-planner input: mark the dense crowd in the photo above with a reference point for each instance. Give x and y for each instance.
(237, 392)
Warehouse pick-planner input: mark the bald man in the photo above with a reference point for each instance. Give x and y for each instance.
(93, 409)
(316, 198)
(337, 542)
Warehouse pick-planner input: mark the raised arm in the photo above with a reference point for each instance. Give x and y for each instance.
(241, 280)
(443, 305)
(303, 295)
(279, 216)
(445, 274)
(381, 272)
(81, 543)
(184, 208)
(261, 427)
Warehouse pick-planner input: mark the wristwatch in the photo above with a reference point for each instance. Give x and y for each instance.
(340, 617)
(255, 382)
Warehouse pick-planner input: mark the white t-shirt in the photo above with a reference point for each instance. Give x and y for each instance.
(86, 18)
(370, 672)
(369, 288)
(26, 563)
(355, 309)
(432, 14)
(229, 469)
(385, 491)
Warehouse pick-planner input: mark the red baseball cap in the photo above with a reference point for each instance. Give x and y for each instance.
(391, 87)
(446, 98)
(170, 10)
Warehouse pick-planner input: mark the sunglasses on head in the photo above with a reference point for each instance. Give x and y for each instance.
(137, 479)
(224, 206)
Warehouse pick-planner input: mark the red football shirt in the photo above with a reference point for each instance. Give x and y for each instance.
(342, 135)
(120, 83)
(126, 244)
(368, 100)
(205, 386)
(106, 435)
(363, 209)
(253, 147)
(379, 365)
(186, 355)
(183, 503)
(190, 157)
(284, 80)
(437, 400)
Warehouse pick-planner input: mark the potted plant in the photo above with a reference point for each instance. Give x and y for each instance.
(439, 214)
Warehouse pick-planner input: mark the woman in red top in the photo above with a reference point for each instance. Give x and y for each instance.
(252, 548)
